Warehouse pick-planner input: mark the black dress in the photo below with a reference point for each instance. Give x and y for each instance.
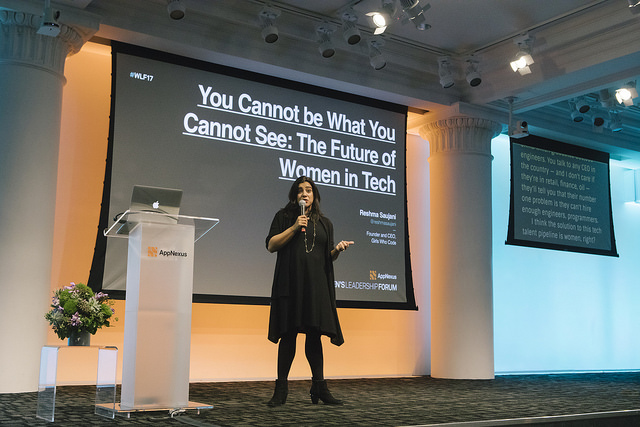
(303, 292)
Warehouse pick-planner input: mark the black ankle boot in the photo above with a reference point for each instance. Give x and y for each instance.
(279, 394)
(320, 391)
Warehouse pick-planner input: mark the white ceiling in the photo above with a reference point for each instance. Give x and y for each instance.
(580, 47)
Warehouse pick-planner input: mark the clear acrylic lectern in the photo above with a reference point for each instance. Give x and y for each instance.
(157, 328)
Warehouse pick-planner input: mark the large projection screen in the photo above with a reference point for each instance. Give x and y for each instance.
(560, 197)
(234, 142)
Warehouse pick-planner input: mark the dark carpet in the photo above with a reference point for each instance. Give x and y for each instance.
(595, 399)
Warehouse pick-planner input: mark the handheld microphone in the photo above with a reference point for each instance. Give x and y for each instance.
(303, 205)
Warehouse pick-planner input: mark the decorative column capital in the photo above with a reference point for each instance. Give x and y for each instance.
(461, 135)
(21, 44)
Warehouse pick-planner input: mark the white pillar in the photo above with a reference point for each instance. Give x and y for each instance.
(31, 81)
(461, 270)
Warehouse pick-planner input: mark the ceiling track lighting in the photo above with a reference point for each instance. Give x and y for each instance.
(633, 3)
(521, 129)
(444, 72)
(415, 13)
(601, 120)
(350, 31)
(376, 58)
(598, 121)
(576, 115)
(606, 100)
(383, 17)
(268, 16)
(615, 122)
(627, 94)
(601, 116)
(582, 105)
(523, 58)
(324, 32)
(49, 25)
(472, 74)
(176, 9)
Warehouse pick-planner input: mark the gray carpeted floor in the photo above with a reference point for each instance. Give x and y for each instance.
(570, 399)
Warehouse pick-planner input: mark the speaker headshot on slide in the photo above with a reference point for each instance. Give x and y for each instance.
(303, 298)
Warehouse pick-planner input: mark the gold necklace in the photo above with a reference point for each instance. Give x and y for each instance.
(314, 238)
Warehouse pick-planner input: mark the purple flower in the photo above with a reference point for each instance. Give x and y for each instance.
(75, 320)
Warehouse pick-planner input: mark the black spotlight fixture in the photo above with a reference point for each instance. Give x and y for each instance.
(576, 115)
(268, 16)
(350, 31)
(376, 58)
(176, 9)
(49, 25)
(326, 47)
(582, 105)
(415, 13)
(472, 74)
(598, 121)
(445, 73)
(615, 122)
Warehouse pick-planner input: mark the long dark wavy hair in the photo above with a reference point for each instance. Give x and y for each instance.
(293, 206)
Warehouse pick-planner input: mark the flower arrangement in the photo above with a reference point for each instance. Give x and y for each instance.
(75, 308)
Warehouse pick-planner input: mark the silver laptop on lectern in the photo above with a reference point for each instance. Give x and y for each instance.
(156, 200)
(151, 204)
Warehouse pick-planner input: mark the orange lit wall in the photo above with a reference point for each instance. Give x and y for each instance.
(228, 341)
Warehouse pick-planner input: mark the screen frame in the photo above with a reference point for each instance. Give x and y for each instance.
(567, 149)
(98, 262)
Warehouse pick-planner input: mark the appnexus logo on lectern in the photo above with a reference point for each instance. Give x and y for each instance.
(153, 251)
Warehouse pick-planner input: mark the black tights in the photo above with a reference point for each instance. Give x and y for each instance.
(312, 349)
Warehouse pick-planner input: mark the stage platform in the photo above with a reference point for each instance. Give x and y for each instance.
(593, 399)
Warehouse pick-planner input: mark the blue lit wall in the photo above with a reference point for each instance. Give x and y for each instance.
(560, 311)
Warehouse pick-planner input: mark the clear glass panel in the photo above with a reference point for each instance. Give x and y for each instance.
(47, 383)
(129, 219)
(106, 382)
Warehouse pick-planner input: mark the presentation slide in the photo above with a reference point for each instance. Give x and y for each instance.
(234, 142)
(560, 197)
